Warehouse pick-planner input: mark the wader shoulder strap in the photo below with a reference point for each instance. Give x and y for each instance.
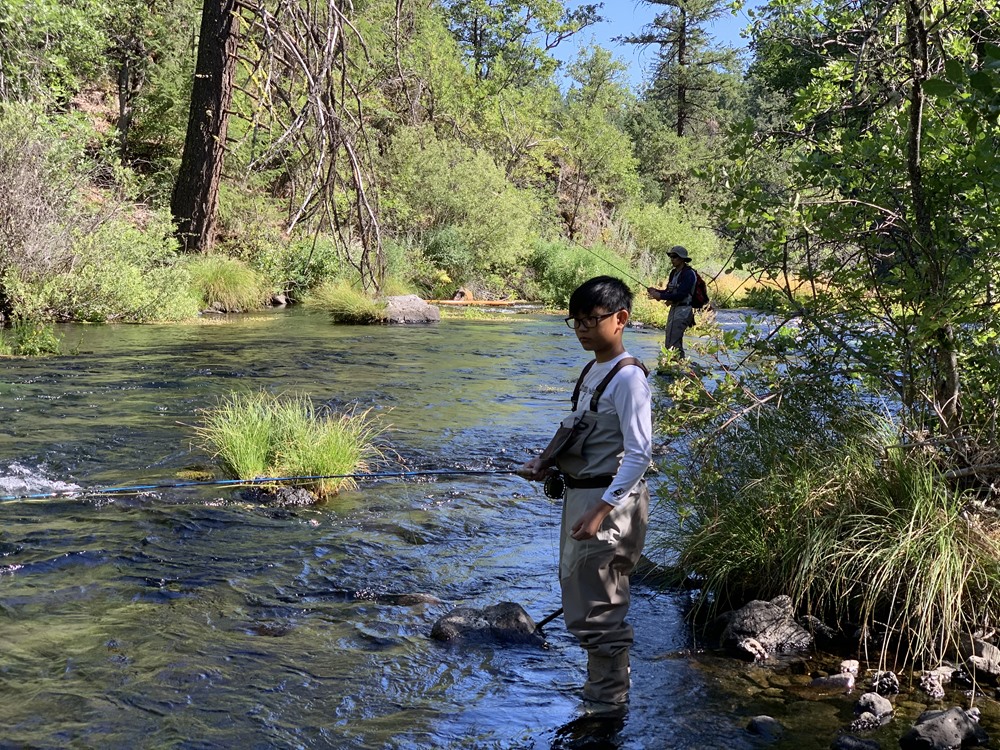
(579, 382)
(599, 391)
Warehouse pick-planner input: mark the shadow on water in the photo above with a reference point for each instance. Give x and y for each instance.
(190, 618)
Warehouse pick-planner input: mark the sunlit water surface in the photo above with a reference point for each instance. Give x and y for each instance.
(194, 619)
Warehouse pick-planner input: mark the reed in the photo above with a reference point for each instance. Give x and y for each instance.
(260, 435)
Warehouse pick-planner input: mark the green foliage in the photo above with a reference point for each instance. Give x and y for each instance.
(793, 481)
(226, 284)
(118, 273)
(560, 267)
(438, 184)
(508, 40)
(261, 435)
(346, 303)
(656, 229)
(51, 48)
(883, 209)
(29, 338)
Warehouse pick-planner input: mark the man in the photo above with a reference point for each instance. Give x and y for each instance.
(680, 288)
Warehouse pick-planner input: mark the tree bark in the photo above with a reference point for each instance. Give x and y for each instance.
(943, 348)
(196, 191)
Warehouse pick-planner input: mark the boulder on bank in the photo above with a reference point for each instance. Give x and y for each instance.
(409, 308)
(505, 622)
(769, 625)
(944, 730)
(982, 656)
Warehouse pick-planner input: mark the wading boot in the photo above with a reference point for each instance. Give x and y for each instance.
(607, 686)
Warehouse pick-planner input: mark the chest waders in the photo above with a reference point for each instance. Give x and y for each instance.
(594, 573)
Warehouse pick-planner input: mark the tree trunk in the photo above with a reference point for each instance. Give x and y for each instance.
(682, 64)
(196, 192)
(943, 349)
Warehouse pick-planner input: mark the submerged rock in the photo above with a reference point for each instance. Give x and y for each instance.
(766, 727)
(944, 730)
(282, 497)
(506, 621)
(850, 742)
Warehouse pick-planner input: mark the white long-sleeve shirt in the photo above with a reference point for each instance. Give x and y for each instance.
(628, 396)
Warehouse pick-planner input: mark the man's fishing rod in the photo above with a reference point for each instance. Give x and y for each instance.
(365, 476)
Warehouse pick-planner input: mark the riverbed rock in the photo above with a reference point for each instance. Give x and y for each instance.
(850, 742)
(943, 730)
(409, 308)
(838, 683)
(850, 666)
(885, 683)
(505, 622)
(281, 496)
(875, 704)
(766, 727)
(771, 624)
(933, 681)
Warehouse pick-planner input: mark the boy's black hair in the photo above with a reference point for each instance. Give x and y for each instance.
(601, 291)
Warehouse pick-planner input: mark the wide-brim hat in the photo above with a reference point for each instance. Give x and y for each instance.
(680, 251)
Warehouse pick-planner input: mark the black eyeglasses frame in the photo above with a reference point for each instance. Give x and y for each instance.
(575, 323)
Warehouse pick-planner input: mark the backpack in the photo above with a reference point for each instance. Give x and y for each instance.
(699, 297)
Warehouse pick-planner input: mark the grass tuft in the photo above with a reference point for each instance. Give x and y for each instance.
(261, 435)
(227, 284)
(855, 528)
(347, 304)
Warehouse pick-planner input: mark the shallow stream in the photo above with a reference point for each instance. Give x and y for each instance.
(194, 619)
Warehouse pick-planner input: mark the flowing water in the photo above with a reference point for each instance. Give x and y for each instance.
(194, 619)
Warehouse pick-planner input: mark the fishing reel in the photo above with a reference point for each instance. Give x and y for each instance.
(555, 485)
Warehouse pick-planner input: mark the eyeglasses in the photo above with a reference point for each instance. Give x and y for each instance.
(588, 322)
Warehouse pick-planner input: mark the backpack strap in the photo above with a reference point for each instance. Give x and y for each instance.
(599, 391)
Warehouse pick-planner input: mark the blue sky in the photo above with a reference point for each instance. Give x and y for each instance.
(628, 17)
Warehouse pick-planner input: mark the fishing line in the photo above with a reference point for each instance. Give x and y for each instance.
(136, 488)
(609, 263)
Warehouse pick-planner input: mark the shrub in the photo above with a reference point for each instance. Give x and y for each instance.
(260, 435)
(561, 266)
(812, 496)
(438, 185)
(658, 228)
(346, 304)
(29, 338)
(117, 272)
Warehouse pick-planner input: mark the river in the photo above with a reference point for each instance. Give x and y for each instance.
(190, 618)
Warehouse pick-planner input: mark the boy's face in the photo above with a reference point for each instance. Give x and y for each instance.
(600, 330)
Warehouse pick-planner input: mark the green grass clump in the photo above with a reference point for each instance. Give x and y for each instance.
(346, 304)
(858, 530)
(227, 284)
(261, 435)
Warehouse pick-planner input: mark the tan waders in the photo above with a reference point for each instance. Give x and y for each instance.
(594, 577)
(594, 573)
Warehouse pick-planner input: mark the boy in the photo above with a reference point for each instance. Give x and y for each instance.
(603, 449)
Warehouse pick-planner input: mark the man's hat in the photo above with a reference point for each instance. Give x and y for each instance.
(681, 252)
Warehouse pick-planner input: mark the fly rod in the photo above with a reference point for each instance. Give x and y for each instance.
(366, 476)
